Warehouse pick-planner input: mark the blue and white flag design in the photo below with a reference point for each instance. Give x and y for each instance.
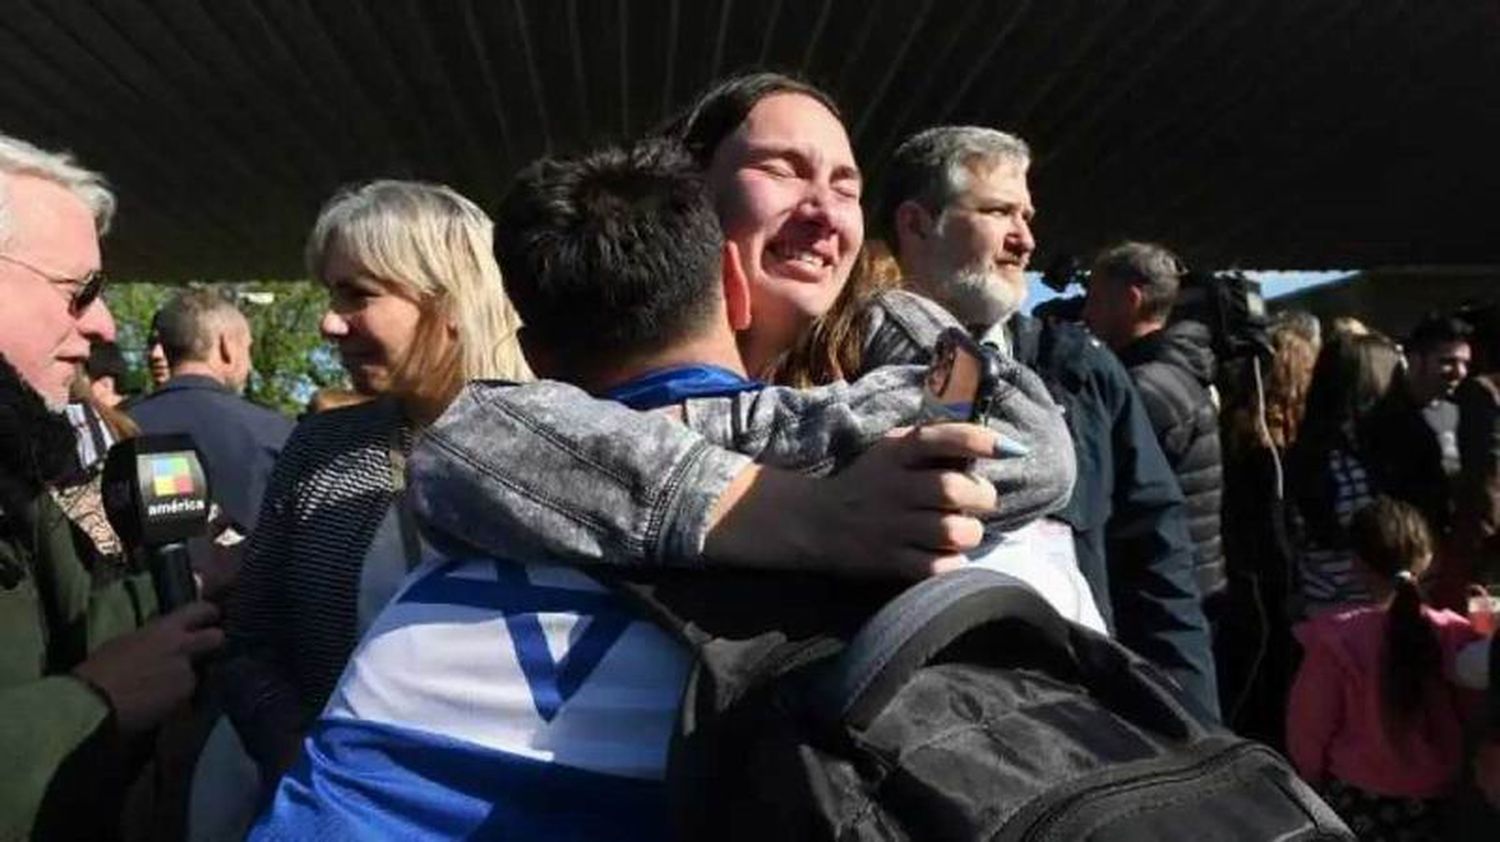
(493, 700)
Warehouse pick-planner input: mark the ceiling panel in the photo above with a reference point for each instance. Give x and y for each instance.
(1268, 134)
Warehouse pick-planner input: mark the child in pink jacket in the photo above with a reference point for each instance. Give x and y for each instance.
(1373, 722)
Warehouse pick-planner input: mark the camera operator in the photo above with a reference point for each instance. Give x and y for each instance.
(1131, 292)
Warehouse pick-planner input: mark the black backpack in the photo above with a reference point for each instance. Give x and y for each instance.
(965, 709)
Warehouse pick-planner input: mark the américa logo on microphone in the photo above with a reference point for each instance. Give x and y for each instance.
(172, 476)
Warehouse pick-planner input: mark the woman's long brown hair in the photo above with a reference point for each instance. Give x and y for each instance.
(833, 348)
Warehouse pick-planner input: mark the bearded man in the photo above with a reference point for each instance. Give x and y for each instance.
(957, 212)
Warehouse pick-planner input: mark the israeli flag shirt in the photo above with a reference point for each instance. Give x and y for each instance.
(499, 699)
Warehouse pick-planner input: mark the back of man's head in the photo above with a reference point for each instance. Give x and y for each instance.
(933, 166)
(1152, 269)
(191, 323)
(610, 257)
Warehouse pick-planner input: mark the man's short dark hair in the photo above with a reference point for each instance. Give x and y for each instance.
(190, 322)
(1436, 330)
(612, 254)
(1151, 268)
(720, 110)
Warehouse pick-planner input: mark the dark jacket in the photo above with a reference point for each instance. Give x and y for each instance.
(66, 767)
(1403, 453)
(1173, 370)
(1474, 554)
(1128, 516)
(239, 440)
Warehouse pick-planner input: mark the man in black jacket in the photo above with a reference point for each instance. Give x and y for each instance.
(1131, 291)
(957, 212)
(1413, 434)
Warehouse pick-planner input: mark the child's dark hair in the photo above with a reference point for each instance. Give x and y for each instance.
(1391, 537)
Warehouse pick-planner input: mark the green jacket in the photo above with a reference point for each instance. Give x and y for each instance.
(65, 771)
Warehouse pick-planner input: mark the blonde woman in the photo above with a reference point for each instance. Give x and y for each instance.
(416, 309)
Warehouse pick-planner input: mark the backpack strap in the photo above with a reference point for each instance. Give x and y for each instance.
(918, 625)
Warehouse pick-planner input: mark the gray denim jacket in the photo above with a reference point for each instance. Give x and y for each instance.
(543, 469)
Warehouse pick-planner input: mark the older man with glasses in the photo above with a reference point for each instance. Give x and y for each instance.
(83, 675)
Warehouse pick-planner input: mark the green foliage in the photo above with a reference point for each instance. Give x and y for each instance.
(290, 358)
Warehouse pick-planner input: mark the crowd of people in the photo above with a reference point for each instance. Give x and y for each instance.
(684, 355)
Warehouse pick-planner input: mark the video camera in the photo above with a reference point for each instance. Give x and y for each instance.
(1229, 303)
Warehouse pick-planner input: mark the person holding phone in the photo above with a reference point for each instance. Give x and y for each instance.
(540, 703)
(963, 384)
(957, 211)
(777, 160)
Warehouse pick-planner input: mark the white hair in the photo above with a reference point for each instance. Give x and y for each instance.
(19, 158)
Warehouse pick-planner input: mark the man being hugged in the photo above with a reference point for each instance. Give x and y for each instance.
(508, 696)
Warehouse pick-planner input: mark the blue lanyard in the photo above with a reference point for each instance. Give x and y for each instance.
(669, 386)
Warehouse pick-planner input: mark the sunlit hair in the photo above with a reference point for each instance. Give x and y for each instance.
(19, 158)
(1305, 324)
(833, 348)
(436, 247)
(1286, 382)
(1341, 327)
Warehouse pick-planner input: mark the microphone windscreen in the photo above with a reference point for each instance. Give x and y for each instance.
(155, 490)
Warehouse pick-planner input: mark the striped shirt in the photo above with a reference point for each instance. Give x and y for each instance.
(1329, 577)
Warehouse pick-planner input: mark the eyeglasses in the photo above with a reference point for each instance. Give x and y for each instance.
(85, 290)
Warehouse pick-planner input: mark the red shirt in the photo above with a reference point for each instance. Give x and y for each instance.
(1335, 724)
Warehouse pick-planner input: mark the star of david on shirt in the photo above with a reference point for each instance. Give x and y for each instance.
(551, 682)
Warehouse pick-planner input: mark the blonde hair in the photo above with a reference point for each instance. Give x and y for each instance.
(437, 246)
(1288, 378)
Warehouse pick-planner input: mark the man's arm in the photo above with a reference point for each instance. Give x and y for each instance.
(826, 427)
(889, 506)
(543, 469)
(45, 722)
(62, 732)
(1158, 610)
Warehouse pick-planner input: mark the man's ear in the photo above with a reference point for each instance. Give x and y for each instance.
(913, 222)
(736, 287)
(1134, 297)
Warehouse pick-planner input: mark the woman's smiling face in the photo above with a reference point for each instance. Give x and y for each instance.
(372, 321)
(787, 190)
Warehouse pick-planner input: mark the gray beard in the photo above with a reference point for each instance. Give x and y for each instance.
(980, 298)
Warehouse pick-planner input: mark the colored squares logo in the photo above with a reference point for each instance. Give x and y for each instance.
(171, 476)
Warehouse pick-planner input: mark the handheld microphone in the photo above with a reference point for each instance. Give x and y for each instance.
(156, 497)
